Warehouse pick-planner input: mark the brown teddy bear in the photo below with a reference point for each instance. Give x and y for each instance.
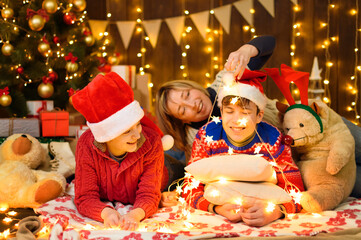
(324, 144)
(21, 184)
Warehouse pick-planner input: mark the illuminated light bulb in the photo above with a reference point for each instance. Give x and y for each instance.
(211, 12)
(234, 100)
(12, 213)
(222, 180)
(354, 91)
(353, 12)
(106, 33)
(296, 195)
(332, 5)
(139, 20)
(326, 81)
(292, 53)
(4, 207)
(189, 28)
(187, 46)
(323, 46)
(208, 30)
(238, 201)
(208, 85)
(184, 34)
(216, 66)
(146, 38)
(352, 77)
(141, 69)
(89, 227)
(298, 34)
(185, 75)
(358, 116)
(7, 220)
(142, 73)
(139, 10)
(252, 11)
(296, 8)
(326, 100)
(195, 183)
(150, 85)
(209, 49)
(353, 103)
(316, 215)
(139, 54)
(245, 28)
(295, 63)
(181, 66)
(109, 15)
(329, 64)
(216, 32)
(230, 150)
(139, 29)
(274, 164)
(6, 233)
(215, 58)
(101, 34)
(270, 207)
(294, 25)
(210, 39)
(334, 39)
(186, 12)
(326, 42)
(349, 108)
(179, 189)
(147, 66)
(182, 200)
(293, 46)
(208, 75)
(253, 30)
(359, 68)
(356, 49)
(143, 50)
(296, 91)
(215, 193)
(187, 175)
(188, 225)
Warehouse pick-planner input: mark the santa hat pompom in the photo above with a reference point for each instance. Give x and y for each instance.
(228, 78)
(167, 142)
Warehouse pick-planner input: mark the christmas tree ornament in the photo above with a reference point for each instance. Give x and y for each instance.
(5, 99)
(56, 39)
(7, 49)
(7, 12)
(71, 67)
(44, 49)
(45, 89)
(114, 59)
(50, 6)
(53, 76)
(37, 19)
(69, 18)
(20, 70)
(79, 5)
(71, 92)
(89, 40)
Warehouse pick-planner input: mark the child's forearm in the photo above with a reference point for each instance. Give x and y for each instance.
(137, 213)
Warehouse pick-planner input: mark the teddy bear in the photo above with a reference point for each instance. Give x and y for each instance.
(21, 183)
(322, 141)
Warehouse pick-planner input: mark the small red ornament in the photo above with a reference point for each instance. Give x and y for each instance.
(20, 70)
(56, 39)
(288, 140)
(69, 18)
(53, 76)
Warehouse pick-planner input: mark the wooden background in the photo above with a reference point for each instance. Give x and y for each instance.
(165, 58)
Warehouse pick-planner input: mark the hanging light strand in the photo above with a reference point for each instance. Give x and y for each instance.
(329, 64)
(184, 45)
(357, 69)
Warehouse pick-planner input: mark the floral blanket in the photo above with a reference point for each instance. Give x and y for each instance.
(64, 222)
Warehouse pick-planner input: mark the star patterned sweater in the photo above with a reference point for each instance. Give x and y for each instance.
(212, 140)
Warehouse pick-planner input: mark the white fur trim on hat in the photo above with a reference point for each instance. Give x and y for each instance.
(118, 123)
(245, 91)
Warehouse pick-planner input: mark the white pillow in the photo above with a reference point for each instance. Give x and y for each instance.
(240, 167)
(230, 192)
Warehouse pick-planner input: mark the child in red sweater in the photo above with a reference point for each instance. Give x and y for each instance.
(118, 159)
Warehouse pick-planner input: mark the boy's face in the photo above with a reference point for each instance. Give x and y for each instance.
(239, 121)
(126, 142)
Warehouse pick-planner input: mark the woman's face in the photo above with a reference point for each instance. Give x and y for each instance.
(189, 105)
(126, 142)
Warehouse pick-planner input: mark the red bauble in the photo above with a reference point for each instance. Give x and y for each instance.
(20, 70)
(56, 39)
(53, 76)
(288, 140)
(69, 18)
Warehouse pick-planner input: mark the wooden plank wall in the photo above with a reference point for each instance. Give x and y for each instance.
(166, 58)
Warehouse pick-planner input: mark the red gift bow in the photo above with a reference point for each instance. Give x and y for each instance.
(71, 57)
(47, 80)
(43, 107)
(44, 40)
(30, 13)
(4, 91)
(86, 33)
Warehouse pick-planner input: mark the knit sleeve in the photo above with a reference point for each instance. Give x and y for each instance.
(87, 196)
(195, 196)
(265, 46)
(148, 193)
(290, 174)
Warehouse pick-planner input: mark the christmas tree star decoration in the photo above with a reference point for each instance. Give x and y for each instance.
(216, 119)
(295, 195)
(270, 207)
(234, 100)
(209, 139)
(182, 200)
(179, 189)
(230, 150)
(242, 122)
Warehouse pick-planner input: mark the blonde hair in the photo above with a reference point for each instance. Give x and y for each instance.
(169, 123)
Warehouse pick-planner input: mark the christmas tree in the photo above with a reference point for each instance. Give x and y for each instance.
(47, 52)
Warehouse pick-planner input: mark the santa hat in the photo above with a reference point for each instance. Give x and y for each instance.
(249, 87)
(108, 105)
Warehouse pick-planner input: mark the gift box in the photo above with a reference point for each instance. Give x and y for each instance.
(77, 130)
(75, 118)
(127, 72)
(9, 126)
(54, 123)
(35, 107)
(80, 131)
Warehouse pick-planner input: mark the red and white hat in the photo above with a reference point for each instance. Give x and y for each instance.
(249, 87)
(108, 105)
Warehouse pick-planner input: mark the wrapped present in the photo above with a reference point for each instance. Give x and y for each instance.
(80, 131)
(75, 118)
(143, 93)
(77, 130)
(127, 72)
(54, 123)
(35, 107)
(10, 126)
